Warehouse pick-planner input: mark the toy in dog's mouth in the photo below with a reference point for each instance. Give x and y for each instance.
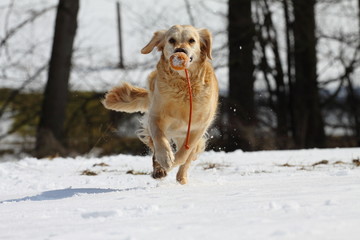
(180, 61)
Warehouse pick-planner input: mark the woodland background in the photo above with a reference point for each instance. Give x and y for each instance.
(288, 72)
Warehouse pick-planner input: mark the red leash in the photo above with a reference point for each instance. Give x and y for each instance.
(190, 114)
(179, 61)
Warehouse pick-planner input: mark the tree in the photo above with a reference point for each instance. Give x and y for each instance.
(309, 125)
(353, 97)
(242, 116)
(50, 139)
(272, 70)
(289, 64)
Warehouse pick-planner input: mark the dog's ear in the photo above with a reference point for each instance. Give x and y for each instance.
(205, 42)
(156, 41)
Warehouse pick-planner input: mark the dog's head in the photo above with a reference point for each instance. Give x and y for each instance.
(196, 43)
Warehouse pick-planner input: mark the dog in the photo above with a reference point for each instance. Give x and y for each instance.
(165, 103)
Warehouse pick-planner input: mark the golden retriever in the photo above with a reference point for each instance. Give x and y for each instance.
(166, 101)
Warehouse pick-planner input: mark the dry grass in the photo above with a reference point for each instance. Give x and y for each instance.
(286, 165)
(133, 172)
(322, 162)
(217, 166)
(88, 172)
(356, 162)
(101, 165)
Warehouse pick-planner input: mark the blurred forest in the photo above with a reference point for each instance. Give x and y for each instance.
(288, 72)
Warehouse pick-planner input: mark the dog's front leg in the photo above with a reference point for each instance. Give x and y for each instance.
(181, 175)
(162, 148)
(183, 154)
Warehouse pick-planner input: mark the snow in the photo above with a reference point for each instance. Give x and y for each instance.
(239, 195)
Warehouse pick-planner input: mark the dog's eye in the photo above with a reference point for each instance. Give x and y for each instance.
(191, 40)
(172, 41)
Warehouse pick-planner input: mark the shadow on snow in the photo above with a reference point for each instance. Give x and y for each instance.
(67, 193)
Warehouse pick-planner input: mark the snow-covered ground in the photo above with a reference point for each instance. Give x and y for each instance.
(305, 194)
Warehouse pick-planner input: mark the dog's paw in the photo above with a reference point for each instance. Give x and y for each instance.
(159, 172)
(182, 180)
(181, 176)
(165, 159)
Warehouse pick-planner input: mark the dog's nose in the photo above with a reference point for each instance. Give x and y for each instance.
(180, 50)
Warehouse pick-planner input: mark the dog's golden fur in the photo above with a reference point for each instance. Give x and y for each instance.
(166, 101)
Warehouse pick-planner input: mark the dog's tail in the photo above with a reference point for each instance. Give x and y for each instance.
(127, 98)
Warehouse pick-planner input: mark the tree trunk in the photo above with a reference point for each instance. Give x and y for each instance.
(281, 107)
(354, 98)
(309, 126)
(290, 65)
(242, 116)
(354, 109)
(50, 136)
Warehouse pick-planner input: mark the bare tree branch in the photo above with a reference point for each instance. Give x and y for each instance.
(15, 92)
(188, 9)
(15, 29)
